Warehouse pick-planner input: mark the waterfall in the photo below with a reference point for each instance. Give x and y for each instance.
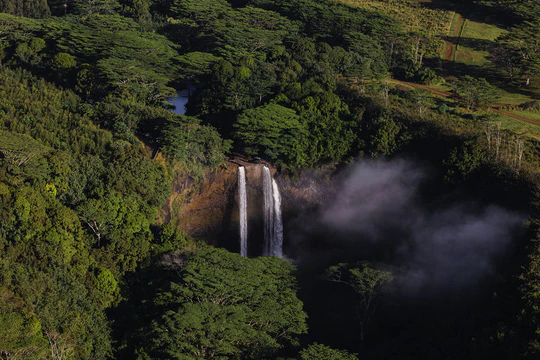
(277, 240)
(273, 225)
(268, 211)
(243, 209)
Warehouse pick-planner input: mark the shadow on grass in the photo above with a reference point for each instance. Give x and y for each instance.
(475, 12)
(492, 74)
(476, 44)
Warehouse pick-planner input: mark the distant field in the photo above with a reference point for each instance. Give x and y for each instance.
(475, 42)
(476, 30)
(473, 51)
(511, 98)
(520, 127)
(414, 17)
(468, 47)
(529, 114)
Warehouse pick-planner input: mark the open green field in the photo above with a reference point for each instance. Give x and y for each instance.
(512, 98)
(503, 96)
(471, 56)
(529, 114)
(411, 13)
(470, 38)
(520, 127)
(476, 30)
(475, 41)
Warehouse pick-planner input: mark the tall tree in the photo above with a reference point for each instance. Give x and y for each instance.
(521, 48)
(319, 351)
(474, 92)
(366, 283)
(137, 9)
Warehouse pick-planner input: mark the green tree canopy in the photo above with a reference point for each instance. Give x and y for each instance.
(222, 305)
(274, 132)
(317, 351)
(28, 8)
(194, 145)
(474, 92)
(63, 61)
(94, 7)
(520, 48)
(366, 282)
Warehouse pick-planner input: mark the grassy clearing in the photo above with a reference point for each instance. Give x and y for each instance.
(528, 114)
(455, 24)
(475, 42)
(512, 98)
(454, 31)
(503, 96)
(529, 131)
(476, 30)
(470, 56)
(474, 47)
(413, 16)
(519, 127)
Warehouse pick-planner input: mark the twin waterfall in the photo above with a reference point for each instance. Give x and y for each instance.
(273, 224)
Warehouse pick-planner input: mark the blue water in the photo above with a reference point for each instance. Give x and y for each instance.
(179, 101)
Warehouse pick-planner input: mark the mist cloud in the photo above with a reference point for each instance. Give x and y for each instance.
(372, 194)
(457, 247)
(442, 246)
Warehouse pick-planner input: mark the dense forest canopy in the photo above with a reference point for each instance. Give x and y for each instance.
(91, 267)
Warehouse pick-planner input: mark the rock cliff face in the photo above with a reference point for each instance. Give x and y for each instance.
(209, 211)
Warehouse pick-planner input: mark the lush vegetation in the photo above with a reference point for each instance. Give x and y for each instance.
(89, 269)
(221, 305)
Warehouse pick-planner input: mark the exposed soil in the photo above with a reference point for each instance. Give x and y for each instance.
(455, 32)
(418, 86)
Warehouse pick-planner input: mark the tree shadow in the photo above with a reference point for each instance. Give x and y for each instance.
(475, 12)
(489, 72)
(476, 44)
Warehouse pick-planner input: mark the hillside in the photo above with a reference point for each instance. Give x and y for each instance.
(386, 152)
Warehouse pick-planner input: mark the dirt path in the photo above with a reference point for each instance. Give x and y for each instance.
(514, 116)
(455, 32)
(493, 106)
(418, 86)
(450, 50)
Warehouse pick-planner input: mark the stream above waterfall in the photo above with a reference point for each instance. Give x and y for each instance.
(179, 101)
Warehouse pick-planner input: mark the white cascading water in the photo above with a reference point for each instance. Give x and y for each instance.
(273, 225)
(268, 211)
(243, 209)
(277, 239)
